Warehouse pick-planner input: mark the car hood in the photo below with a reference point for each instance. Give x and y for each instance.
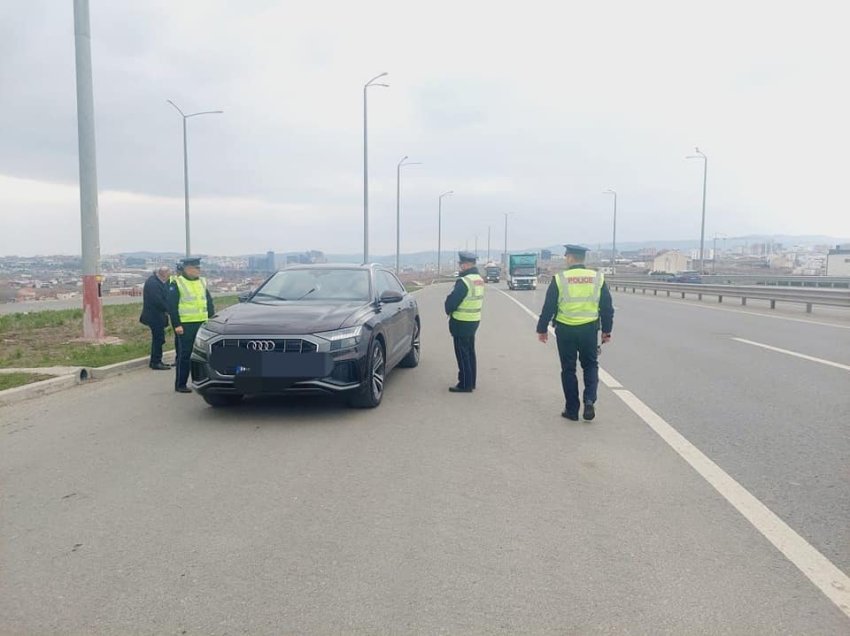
(285, 318)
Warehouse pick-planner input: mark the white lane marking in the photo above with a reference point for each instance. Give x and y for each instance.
(834, 584)
(606, 378)
(830, 363)
(814, 565)
(698, 304)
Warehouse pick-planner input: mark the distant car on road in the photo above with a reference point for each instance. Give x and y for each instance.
(662, 277)
(690, 276)
(330, 329)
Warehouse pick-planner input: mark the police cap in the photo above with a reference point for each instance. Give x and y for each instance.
(467, 257)
(576, 250)
(190, 261)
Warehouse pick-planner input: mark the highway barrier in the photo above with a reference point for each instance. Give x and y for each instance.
(805, 295)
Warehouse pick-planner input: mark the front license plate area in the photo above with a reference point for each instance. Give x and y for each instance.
(271, 364)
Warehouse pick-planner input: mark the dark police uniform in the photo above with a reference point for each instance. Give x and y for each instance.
(155, 316)
(189, 305)
(463, 306)
(578, 303)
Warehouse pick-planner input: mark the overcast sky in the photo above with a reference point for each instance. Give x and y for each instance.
(531, 108)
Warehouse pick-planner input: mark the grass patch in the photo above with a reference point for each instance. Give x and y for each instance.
(46, 338)
(410, 287)
(12, 380)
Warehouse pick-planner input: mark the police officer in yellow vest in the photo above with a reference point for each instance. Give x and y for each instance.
(463, 306)
(580, 303)
(189, 305)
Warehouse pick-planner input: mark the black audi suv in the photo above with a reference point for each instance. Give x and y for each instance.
(335, 329)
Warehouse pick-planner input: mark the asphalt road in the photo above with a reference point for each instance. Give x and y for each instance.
(127, 508)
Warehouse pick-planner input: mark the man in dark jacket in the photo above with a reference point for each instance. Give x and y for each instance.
(155, 314)
(463, 306)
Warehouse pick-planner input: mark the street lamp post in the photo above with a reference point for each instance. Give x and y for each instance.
(701, 155)
(488, 243)
(614, 237)
(440, 229)
(186, 164)
(366, 86)
(506, 238)
(403, 162)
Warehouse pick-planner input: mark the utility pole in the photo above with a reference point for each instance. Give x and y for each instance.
(488, 243)
(92, 303)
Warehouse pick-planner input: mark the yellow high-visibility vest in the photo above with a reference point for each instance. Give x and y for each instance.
(193, 299)
(470, 309)
(579, 291)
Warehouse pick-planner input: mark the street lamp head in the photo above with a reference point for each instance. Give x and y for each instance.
(609, 191)
(371, 82)
(176, 106)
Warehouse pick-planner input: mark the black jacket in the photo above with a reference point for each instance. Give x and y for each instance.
(461, 328)
(174, 303)
(550, 306)
(154, 303)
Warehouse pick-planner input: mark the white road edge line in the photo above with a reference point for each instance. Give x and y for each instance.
(814, 565)
(830, 580)
(829, 363)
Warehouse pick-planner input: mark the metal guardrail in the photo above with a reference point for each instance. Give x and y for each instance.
(805, 296)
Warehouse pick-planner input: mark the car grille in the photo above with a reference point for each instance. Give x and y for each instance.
(281, 345)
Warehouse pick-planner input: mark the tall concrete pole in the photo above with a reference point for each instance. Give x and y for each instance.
(366, 86)
(92, 305)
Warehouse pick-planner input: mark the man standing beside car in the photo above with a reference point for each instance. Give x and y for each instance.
(463, 306)
(155, 314)
(189, 304)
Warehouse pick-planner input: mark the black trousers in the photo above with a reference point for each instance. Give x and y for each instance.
(578, 341)
(184, 353)
(157, 341)
(467, 364)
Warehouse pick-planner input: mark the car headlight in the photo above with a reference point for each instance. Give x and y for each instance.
(204, 335)
(343, 338)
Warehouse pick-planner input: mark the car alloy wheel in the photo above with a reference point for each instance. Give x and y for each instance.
(378, 371)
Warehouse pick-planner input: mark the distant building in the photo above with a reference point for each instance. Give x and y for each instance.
(838, 261)
(671, 262)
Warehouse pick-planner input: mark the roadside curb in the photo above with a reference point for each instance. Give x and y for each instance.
(100, 373)
(67, 381)
(38, 389)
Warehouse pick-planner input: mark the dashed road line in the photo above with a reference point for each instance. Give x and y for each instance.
(787, 352)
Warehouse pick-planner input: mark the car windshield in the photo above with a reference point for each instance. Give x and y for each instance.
(315, 284)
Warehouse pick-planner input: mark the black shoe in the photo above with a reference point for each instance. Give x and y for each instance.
(589, 411)
(186, 389)
(160, 367)
(570, 416)
(459, 389)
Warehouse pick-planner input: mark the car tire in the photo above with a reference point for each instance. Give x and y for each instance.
(411, 360)
(370, 394)
(222, 400)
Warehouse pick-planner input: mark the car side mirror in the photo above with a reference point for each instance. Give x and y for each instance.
(390, 296)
